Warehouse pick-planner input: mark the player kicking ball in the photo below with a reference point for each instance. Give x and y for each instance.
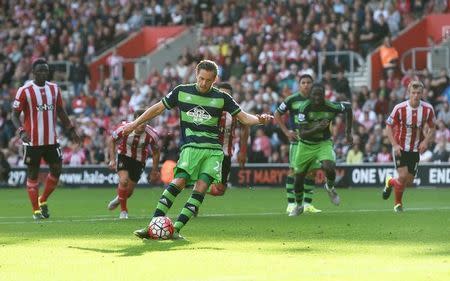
(132, 152)
(201, 106)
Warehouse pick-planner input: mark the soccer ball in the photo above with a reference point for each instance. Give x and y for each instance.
(160, 228)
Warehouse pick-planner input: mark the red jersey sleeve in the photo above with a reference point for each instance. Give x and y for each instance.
(393, 119)
(20, 100)
(117, 133)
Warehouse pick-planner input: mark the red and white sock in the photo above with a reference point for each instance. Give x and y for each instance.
(33, 193)
(50, 184)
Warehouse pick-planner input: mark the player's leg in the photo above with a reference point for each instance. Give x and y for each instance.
(33, 189)
(298, 189)
(407, 166)
(326, 156)
(53, 156)
(218, 189)
(32, 158)
(309, 185)
(127, 180)
(122, 192)
(166, 200)
(209, 171)
(193, 203)
(291, 196)
(303, 160)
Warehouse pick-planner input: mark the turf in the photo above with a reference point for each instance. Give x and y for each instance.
(244, 235)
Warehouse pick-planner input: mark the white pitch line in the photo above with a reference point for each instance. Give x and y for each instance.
(110, 218)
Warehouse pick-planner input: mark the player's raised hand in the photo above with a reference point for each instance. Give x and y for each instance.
(264, 118)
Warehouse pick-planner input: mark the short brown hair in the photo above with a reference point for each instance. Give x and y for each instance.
(415, 84)
(207, 65)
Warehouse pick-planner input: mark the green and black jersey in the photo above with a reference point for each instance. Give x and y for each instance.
(200, 114)
(292, 104)
(308, 115)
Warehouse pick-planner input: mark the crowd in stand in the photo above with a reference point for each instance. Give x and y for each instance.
(261, 47)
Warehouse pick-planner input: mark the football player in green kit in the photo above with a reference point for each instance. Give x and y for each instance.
(291, 105)
(201, 106)
(315, 116)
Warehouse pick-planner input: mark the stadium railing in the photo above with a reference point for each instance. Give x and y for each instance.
(356, 64)
(437, 58)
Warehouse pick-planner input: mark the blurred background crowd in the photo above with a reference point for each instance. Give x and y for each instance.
(262, 47)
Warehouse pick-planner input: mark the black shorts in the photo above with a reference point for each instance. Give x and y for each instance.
(226, 167)
(33, 154)
(133, 167)
(409, 159)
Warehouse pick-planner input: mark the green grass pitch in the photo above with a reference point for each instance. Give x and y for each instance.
(244, 235)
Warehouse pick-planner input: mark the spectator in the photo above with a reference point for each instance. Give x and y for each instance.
(442, 132)
(444, 114)
(354, 155)
(78, 75)
(441, 154)
(384, 156)
(261, 149)
(115, 63)
(342, 86)
(389, 56)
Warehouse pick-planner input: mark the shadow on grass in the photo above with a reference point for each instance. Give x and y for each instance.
(147, 246)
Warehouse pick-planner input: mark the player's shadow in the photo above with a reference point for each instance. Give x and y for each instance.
(147, 246)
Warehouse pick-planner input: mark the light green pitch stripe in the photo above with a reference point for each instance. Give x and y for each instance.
(211, 122)
(203, 101)
(189, 132)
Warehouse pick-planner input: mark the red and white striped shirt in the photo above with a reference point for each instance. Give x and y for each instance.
(408, 123)
(39, 107)
(136, 146)
(226, 132)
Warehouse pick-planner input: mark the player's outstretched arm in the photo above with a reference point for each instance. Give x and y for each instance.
(148, 115)
(250, 119)
(62, 115)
